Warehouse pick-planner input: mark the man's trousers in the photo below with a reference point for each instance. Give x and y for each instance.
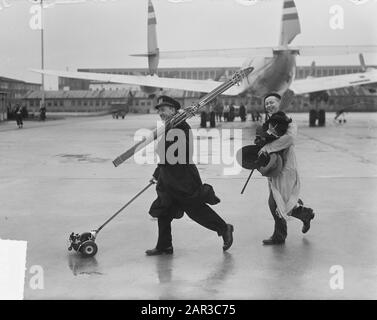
(202, 214)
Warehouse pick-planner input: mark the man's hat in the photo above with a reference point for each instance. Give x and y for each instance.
(167, 101)
(247, 157)
(273, 167)
(269, 165)
(272, 94)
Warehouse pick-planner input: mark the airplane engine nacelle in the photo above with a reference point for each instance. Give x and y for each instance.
(152, 92)
(149, 90)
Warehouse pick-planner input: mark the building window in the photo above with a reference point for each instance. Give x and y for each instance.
(73, 102)
(79, 102)
(97, 102)
(31, 103)
(61, 103)
(85, 103)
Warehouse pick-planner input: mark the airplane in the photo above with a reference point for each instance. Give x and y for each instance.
(274, 67)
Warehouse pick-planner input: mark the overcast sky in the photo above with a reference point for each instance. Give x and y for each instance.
(101, 33)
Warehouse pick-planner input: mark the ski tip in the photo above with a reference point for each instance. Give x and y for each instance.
(117, 162)
(248, 70)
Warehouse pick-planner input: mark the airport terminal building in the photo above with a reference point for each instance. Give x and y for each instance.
(12, 91)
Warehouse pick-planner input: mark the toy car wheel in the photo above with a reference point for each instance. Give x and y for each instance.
(88, 249)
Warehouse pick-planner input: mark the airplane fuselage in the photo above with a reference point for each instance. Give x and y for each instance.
(272, 74)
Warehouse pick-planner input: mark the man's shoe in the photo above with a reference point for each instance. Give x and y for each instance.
(273, 241)
(309, 215)
(228, 237)
(157, 252)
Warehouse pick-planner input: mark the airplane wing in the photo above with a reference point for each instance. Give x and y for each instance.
(330, 50)
(333, 82)
(148, 81)
(220, 53)
(333, 50)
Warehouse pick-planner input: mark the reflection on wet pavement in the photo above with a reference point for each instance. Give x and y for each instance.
(83, 266)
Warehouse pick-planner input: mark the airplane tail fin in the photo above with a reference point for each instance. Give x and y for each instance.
(290, 23)
(153, 53)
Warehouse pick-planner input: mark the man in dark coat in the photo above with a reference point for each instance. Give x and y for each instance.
(18, 113)
(179, 186)
(219, 109)
(231, 112)
(242, 113)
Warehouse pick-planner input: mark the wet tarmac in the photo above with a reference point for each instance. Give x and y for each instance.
(57, 177)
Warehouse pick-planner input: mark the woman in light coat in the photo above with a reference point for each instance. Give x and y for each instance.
(285, 187)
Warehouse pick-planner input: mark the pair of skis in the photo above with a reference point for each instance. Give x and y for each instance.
(185, 114)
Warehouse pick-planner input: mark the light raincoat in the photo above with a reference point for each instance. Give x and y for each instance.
(285, 187)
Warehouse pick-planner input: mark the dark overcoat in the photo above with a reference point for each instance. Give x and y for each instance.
(178, 181)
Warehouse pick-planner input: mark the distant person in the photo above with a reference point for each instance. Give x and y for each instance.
(253, 115)
(42, 113)
(226, 113)
(203, 119)
(258, 116)
(18, 114)
(179, 186)
(25, 113)
(340, 116)
(219, 109)
(280, 133)
(243, 113)
(231, 112)
(212, 117)
(9, 111)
